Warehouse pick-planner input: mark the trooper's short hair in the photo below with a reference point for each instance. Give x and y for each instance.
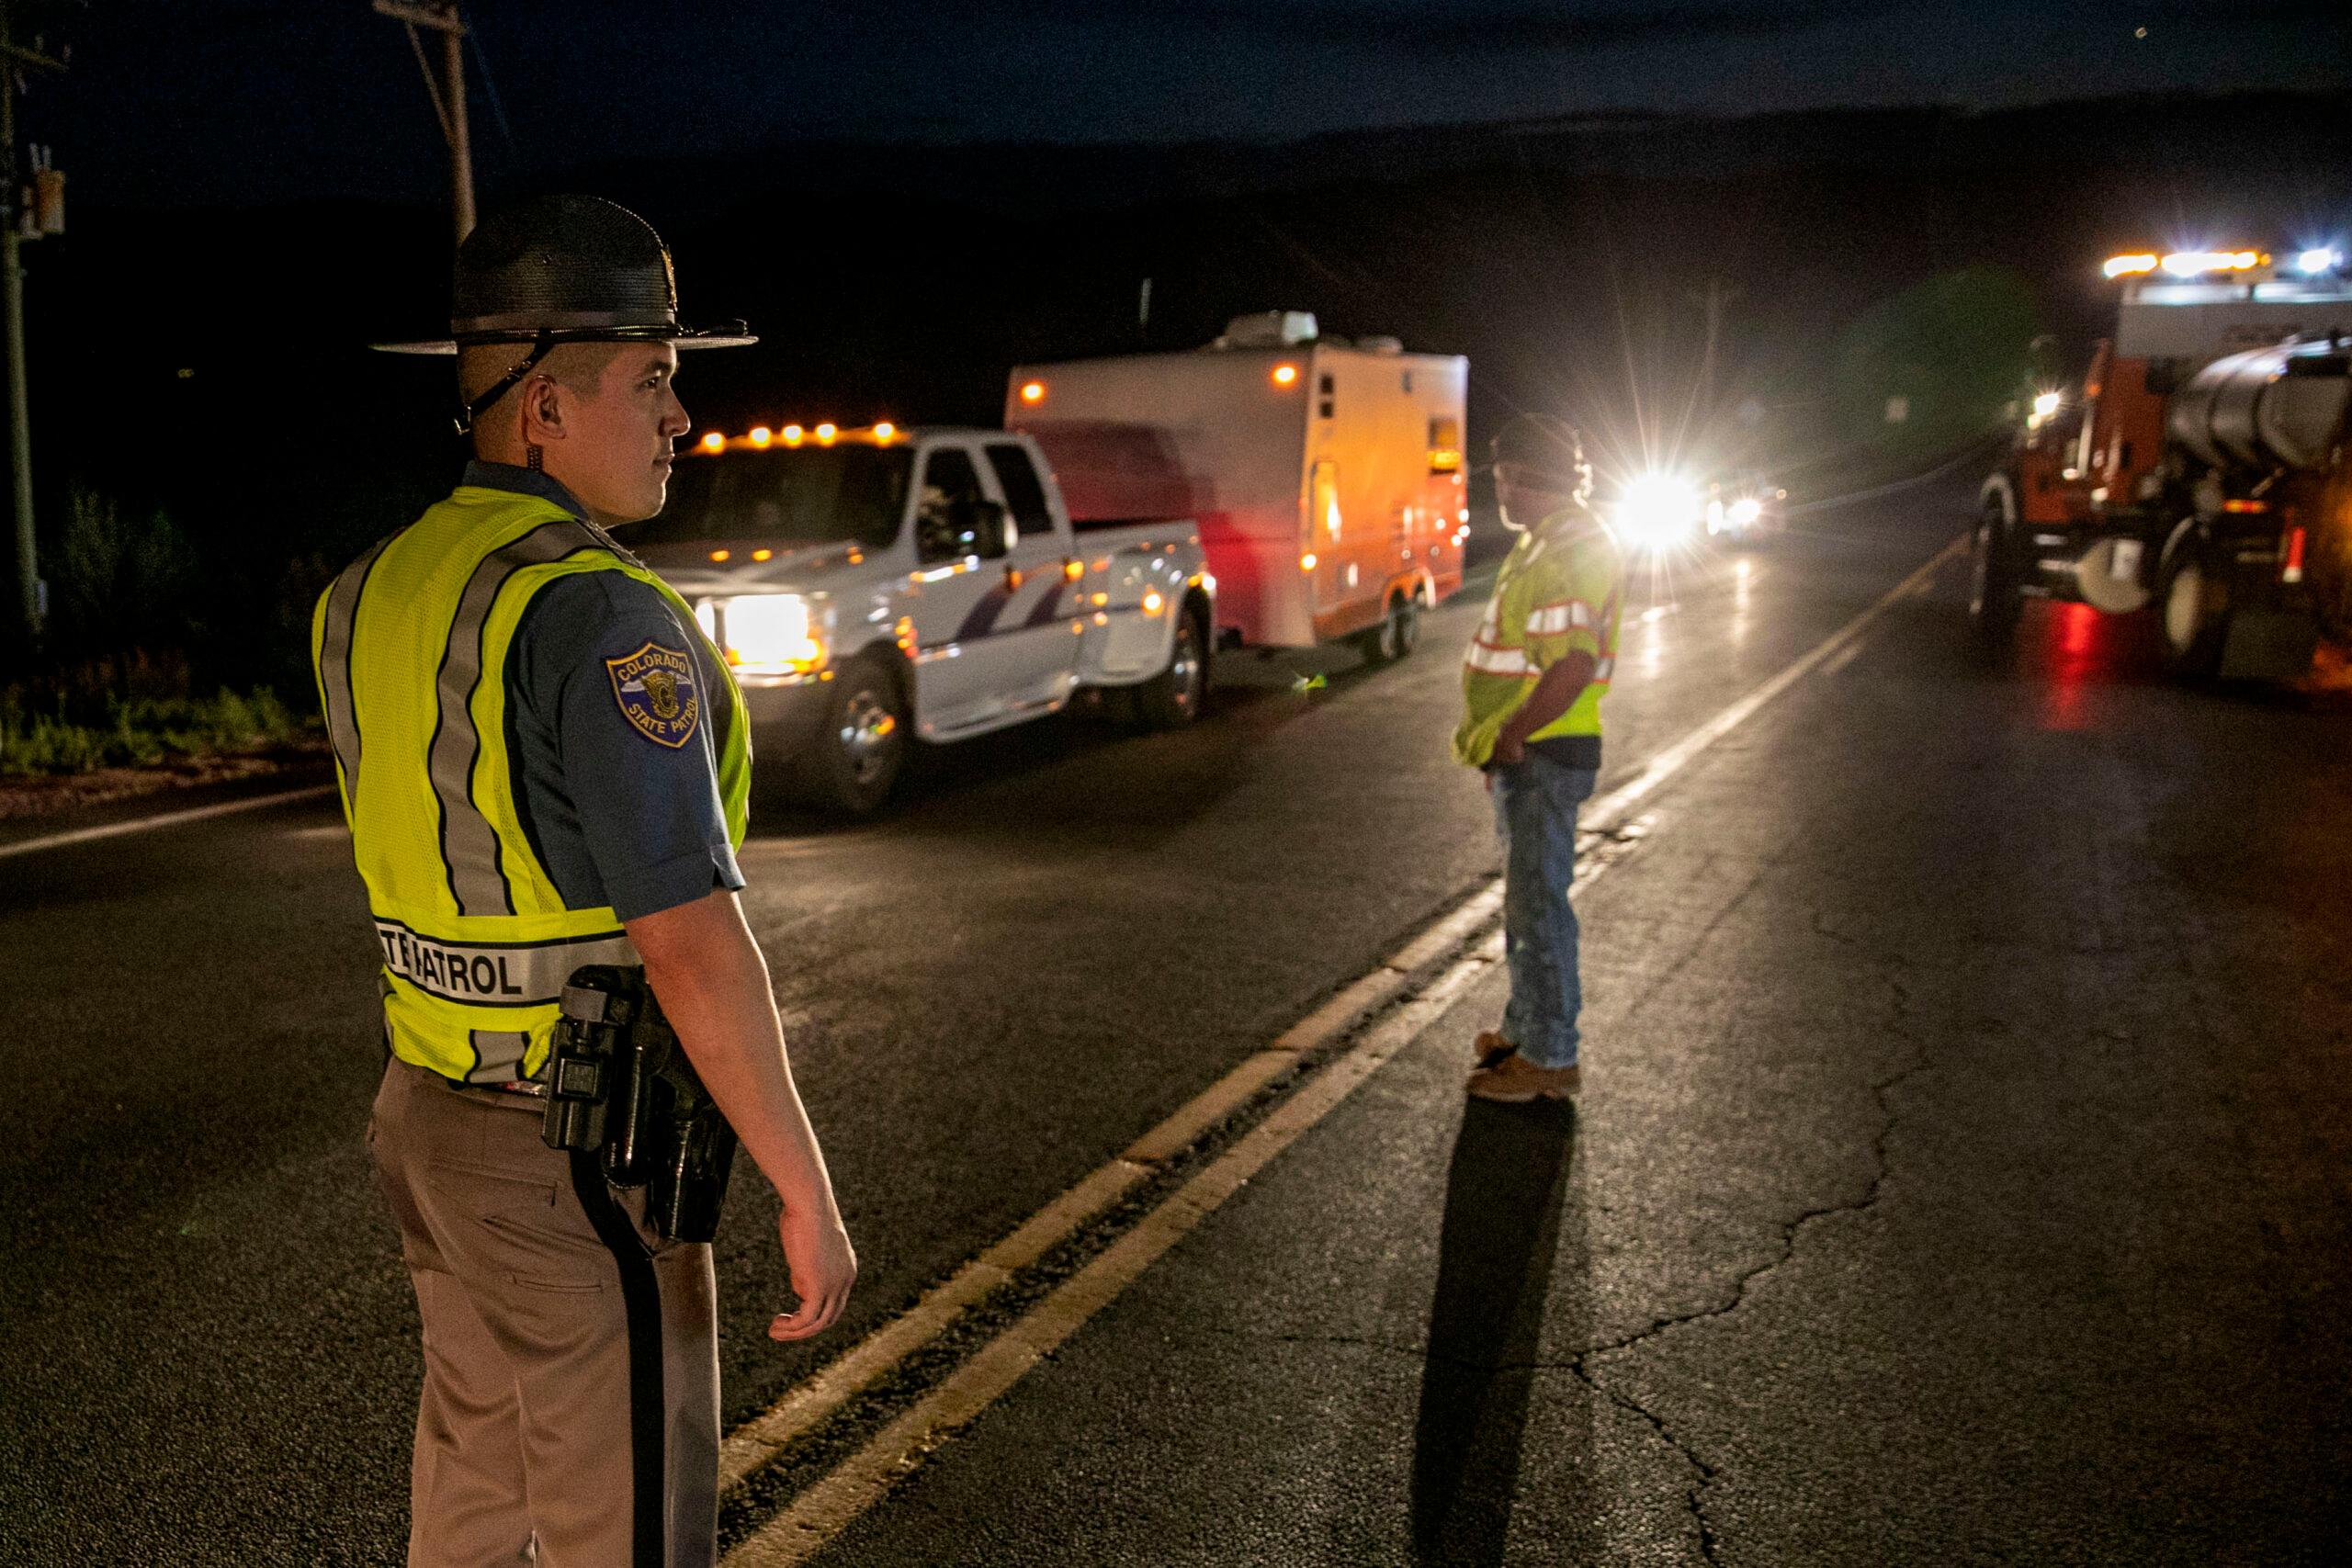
(1545, 451)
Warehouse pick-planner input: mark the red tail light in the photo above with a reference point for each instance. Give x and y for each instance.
(2290, 557)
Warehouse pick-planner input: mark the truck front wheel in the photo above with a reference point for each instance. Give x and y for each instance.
(1171, 699)
(853, 758)
(1996, 599)
(2196, 613)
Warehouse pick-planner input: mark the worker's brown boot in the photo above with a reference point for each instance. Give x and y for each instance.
(1490, 1048)
(1515, 1080)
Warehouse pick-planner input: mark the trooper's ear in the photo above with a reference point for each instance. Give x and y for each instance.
(543, 400)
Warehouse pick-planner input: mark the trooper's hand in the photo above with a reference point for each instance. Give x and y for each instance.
(823, 1266)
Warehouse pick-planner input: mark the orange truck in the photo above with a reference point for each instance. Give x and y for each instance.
(2193, 468)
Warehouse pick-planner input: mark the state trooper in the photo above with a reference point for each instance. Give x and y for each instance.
(545, 764)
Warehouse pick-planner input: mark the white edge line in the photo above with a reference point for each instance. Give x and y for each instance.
(842, 1494)
(164, 820)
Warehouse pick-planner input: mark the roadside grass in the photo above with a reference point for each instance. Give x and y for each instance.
(144, 732)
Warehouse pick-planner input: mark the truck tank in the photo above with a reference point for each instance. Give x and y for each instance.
(2281, 407)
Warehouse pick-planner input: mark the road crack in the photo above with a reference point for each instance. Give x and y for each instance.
(1915, 1061)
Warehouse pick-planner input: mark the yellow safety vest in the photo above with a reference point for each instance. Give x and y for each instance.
(1560, 591)
(410, 646)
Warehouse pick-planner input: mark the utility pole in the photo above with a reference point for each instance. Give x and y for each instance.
(1718, 296)
(13, 213)
(448, 94)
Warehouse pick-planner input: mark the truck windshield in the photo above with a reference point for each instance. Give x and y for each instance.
(809, 495)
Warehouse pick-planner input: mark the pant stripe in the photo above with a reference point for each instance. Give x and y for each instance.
(641, 1301)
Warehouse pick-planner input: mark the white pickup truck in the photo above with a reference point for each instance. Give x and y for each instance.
(871, 585)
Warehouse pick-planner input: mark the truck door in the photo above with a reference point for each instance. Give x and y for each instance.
(956, 594)
(1036, 651)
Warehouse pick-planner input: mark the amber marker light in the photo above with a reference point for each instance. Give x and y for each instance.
(884, 431)
(793, 435)
(1033, 393)
(718, 555)
(762, 554)
(713, 441)
(825, 432)
(1286, 375)
(1307, 561)
(762, 436)
(1153, 603)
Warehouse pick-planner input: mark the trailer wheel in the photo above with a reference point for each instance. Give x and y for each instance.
(2194, 608)
(1398, 633)
(1173, 699)
(1996, 597)
(855, 756)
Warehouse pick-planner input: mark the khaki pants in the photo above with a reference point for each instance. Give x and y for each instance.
(571, 1407)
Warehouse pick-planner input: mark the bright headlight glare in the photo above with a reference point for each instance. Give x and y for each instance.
(772, 633)
(1657, 511)
(1745, 510)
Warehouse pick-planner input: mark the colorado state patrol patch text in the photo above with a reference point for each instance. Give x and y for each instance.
(655, 687)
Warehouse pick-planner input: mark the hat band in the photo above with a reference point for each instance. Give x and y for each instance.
(532, 322)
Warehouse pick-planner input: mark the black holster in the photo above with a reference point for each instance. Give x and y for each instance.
(619, 1086)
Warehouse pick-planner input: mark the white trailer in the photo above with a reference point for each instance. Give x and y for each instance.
(1327, 477)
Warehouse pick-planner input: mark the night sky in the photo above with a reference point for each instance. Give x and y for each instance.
(248, 103)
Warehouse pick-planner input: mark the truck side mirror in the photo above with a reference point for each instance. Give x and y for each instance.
(989, 527)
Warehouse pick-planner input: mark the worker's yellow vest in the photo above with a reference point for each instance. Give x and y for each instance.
(410, 646)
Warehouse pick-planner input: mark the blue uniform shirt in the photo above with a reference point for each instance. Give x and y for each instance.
(615, 817)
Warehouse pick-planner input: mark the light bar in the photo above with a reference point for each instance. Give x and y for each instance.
(2124, 266)
(2192, 264)
(760, 437)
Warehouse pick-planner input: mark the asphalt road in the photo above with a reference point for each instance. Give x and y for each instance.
(1963, 1176)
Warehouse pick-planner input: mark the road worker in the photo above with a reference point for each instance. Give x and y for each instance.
(1532, 684)
(545, 765)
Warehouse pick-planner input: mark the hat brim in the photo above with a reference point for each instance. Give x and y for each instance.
(684, 339)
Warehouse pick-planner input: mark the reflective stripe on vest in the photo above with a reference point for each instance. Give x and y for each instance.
(410, 644)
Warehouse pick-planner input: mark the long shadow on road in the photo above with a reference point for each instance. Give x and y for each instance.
(1505, 1198)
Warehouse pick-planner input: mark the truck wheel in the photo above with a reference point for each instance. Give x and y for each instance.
(2195, 611)
(1994, 593)
(1398, 633)
(1171, 699)
(853, 758)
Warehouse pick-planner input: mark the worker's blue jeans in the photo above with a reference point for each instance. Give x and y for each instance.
(1535, 813)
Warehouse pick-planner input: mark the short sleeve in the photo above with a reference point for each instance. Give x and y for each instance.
(632, 712)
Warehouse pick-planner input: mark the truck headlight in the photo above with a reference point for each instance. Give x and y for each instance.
(1745, 511)
(767, 634)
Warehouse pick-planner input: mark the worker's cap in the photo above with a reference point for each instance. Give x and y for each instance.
(566, 269)
(1542, 448)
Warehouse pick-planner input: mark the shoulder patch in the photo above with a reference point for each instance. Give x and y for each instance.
(655, 688)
